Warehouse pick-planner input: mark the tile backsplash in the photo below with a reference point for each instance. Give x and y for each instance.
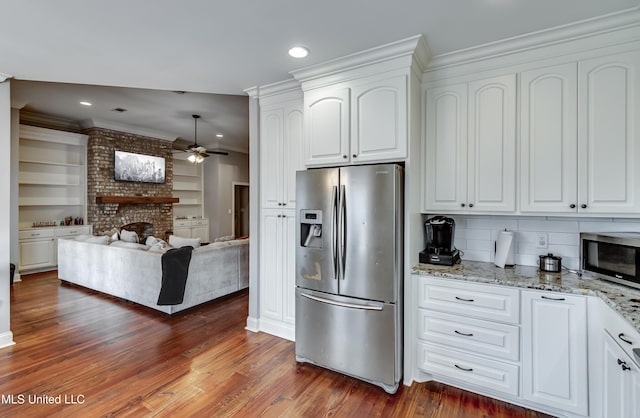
(476, 235)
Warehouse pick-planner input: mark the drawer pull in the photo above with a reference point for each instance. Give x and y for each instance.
(464, 300)
(548, 298)
(464, 369)
(623, 365)
(622, 337)
(35, 235)
(463, 334)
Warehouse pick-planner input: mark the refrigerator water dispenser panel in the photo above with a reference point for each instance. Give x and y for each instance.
(311, 228)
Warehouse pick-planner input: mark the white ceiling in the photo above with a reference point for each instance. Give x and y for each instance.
(225, 47)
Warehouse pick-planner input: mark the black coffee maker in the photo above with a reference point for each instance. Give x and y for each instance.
(439, 233)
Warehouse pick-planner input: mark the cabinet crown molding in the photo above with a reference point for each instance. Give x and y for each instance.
(625, 19)
(414, 47)
(4, 77)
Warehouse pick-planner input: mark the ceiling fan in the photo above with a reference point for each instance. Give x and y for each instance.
(197, 152)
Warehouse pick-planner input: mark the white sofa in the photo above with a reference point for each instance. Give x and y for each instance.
(134, 274)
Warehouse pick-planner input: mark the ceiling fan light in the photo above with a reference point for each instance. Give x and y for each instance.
(199, 159)
(192, 158)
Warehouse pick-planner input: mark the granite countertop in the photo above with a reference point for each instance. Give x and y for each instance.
(623, 299)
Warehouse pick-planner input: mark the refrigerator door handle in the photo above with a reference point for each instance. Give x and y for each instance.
(341, 232)
(342, 304)
(334, 228)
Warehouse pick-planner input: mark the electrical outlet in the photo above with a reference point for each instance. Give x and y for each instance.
(541, 240)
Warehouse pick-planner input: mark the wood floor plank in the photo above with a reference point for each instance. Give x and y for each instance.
(126, 360)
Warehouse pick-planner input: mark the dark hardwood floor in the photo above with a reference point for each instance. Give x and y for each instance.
(80, 353)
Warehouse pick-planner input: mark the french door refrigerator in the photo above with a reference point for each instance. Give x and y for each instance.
(349, 241)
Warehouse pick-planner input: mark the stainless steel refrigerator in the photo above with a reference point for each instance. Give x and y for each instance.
(349, 273)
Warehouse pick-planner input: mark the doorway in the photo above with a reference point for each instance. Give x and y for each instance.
(240, 201)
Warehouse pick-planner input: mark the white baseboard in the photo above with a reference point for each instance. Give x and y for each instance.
(6, 339)
(16, 277)
(279, 329)
(253, 324)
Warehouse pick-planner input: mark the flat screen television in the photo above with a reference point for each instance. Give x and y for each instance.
(138, 167)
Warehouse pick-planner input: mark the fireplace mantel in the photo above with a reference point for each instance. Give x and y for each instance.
(136, 199)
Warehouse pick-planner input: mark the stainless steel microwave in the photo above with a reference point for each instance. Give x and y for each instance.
(613, 256)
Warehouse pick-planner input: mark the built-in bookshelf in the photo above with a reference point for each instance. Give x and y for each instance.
(187, 186)
(51, 177)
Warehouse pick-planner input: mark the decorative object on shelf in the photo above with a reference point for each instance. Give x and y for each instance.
(198, 152)
(138, 167)
(68, 220)
(44, 224)
(78, 221)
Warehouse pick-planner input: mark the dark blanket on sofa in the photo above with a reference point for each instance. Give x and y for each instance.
(175, 268)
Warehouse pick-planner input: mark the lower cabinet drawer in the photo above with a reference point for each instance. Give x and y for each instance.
(489, 374)
(482, 337)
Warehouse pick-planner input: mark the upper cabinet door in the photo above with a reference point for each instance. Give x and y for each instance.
(326, 119)
(271, 132)
(379, 120)
(548, 139)
(492, 144)
(293, 152)
(445, 182)
(609, 148)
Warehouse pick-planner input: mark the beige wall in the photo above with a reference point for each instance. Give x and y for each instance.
(220, 171)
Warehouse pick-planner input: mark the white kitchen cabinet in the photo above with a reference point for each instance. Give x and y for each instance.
(470, 146)
(549, 139)
(326, 120)
(192, 228)
(621, 397)
(379, 120)
(609, 138)
(277, 272)
(363, 120)
(469, 333)
(554, 350)
(579, 145)
(281, 132)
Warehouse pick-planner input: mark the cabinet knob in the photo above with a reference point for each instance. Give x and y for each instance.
(284, 204)
(462, 205)
(344, 156)
(572, 206)
(354, 156)
(470, 205)
(583, 206)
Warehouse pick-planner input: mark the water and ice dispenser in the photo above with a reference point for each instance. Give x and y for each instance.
(311, 228)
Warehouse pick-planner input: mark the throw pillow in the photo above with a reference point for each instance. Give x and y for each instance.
(128, 236)
(179, 242)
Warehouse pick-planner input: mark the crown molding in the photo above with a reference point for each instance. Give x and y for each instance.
(52, 135)
(4, 77)
(136, 130)
(252, 92)
(415, 47)
(48, 121)
(281, 87)
(574, 31)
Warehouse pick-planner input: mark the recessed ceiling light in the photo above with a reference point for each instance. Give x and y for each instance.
(219, 135)
(85, 103)
(298, 52)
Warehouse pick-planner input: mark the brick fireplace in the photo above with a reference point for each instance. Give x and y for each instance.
(100, 182)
